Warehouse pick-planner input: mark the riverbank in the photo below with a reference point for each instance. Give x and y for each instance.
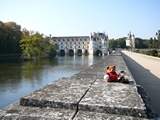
(10, 57)
(83, 96)
(150, 52)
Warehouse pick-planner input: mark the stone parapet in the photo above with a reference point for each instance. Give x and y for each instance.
(113, 98)
(83, 115)
(64, 93)
(84, 96)
(18, 112)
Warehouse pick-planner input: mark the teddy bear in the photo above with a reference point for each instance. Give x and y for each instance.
(112, 76)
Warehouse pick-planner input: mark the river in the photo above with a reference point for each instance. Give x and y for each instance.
(18, 79)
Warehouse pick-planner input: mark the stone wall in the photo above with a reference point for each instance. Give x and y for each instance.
(84, 96)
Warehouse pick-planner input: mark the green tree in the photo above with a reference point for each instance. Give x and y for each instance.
(117, 43)
(34, 46)
(31, 45)
(121, 42)
(112, 43)
(141, 43)
(10, 35)
(153, 43)
(50, 46)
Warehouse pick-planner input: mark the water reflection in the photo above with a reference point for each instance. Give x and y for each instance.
(20, 78)
(33, 70)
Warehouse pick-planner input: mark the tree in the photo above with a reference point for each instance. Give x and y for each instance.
(112, 43)
(31, 45)
(50, 46)
(141, 43)
(10, 35)
(35, 46)
(121, 42)
(117, 43)
(153, 43)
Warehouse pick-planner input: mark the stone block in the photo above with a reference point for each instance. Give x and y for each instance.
(83, 115)
(17, 112)
(2, 113)
(85, 75)
(113, 98)
(64, 93)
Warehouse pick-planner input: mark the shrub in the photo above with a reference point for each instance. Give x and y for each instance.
(154, 53)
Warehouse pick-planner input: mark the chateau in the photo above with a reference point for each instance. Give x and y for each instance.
(130, 41)
(95, 44)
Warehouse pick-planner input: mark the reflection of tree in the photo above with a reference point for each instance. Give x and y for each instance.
(10, 75)
(32, 70)
(14, 75)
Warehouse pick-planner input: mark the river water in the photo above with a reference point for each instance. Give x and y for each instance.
(18, 79)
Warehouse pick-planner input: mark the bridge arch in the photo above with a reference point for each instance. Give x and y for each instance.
(86, 52)
(62, 52)
(79, 52)
(98, 53)
(70, 52)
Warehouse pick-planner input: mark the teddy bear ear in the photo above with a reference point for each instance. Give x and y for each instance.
(107, 67)
(113, 65)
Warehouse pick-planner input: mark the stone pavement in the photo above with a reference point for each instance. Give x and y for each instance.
(84, 96)
(114, 98)
(148, 62)
(17, 112)
(64, 93)
(83, 115)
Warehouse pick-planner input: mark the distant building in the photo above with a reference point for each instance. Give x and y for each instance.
(96, 43)
(99, 43)
(130, 41)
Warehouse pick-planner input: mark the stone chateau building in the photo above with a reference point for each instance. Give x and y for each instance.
(130, 41)
(95, 44)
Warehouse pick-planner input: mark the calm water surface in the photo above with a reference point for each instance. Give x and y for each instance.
(20, 78)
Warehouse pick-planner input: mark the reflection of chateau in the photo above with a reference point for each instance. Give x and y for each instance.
(130, 41)
(97, 44)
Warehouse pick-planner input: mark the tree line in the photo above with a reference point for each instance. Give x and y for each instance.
(29, 44)
(32, 45)
(140, 43)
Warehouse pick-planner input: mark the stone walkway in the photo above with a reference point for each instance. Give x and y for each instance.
(143, 76)
(148, 62)
(84, 96)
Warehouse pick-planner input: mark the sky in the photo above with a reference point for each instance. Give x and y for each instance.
(81, 17)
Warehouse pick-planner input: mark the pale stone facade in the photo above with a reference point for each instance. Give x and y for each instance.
(130, 41)
(96, 43)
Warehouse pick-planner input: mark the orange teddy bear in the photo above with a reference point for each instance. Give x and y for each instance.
(112, 76)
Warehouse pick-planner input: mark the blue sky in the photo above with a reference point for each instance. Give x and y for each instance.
(80, 17)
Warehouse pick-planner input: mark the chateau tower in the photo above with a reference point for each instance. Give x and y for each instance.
(130, 41)
(98, 42)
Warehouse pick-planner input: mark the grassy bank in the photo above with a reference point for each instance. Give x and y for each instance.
(151, 52)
